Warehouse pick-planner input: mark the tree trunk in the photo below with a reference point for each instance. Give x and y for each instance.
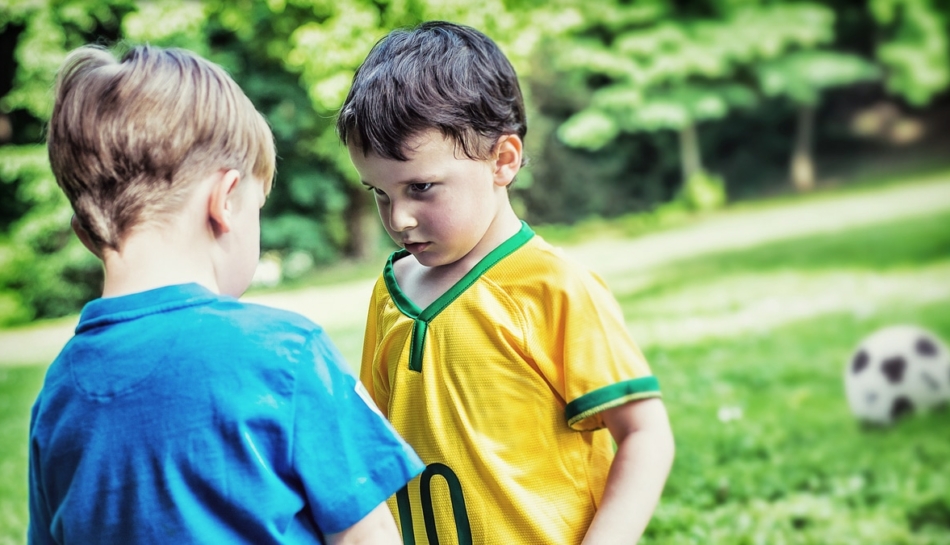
(690, 156)
(803, 165)
(362, 224)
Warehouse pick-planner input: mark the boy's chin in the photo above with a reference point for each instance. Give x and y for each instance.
(432, 260)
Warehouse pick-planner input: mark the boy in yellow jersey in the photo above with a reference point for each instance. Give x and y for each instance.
(507, 367)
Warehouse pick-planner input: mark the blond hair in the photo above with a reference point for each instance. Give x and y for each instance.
(128, 139)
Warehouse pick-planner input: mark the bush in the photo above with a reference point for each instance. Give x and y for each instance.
(703, 192)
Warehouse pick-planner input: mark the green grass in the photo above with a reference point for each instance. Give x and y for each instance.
(18, 389)
(906, 244)
(796, 467)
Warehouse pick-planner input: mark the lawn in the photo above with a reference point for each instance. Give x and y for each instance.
(767, 451)
(749, 347)
(18, 388)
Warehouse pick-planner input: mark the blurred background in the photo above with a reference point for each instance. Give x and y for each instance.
(762, 183)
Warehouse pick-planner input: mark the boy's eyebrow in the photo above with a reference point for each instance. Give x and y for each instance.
(409, 181)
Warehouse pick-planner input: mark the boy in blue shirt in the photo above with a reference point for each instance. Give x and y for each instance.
(178, 414)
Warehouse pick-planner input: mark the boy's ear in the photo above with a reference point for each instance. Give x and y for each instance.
(507, 158)
(220, 202)
(84, 236)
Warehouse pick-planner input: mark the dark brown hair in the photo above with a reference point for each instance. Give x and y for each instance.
(128, 138)
(437, 75)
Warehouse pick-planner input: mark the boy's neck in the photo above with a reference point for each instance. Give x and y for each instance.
(424, 285)
(154, 258)
(505, 226)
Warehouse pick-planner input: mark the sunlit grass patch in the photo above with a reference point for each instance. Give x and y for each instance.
(18, 389)
(865, 272)
(931, 181)
(790, 464)
(909, 243)
(734, 305)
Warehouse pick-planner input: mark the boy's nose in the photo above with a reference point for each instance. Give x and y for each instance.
(401, 218)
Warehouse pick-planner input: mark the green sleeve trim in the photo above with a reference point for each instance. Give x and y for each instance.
(609, 397)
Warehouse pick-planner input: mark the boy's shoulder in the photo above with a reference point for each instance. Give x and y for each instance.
(163, 337)
(545, 282)
(192, 314)
(271, 317)
(539, 263)
(254, 327)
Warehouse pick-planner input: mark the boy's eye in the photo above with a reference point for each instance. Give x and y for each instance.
(420, 188)
(375, 190)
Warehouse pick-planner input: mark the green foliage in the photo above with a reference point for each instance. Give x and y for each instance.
(802, 75)
(672, 73)
(685, 105)
(13, 308)
(617, 109)
(44, 270)
(297, 231)
(589, 129)
(917, 51)
(169, 24)
(703, 192)
(669, 52)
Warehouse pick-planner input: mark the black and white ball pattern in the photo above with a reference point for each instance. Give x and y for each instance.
(895, 371)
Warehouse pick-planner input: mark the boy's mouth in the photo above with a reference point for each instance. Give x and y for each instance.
(415, 247)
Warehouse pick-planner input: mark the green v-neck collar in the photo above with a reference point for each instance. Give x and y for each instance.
(410, 309)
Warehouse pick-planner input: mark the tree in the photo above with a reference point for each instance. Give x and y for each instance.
(802, 76)
(664, 71)
(44, 271)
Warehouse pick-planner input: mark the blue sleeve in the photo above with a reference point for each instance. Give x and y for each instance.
(346, 454)
(38, 532)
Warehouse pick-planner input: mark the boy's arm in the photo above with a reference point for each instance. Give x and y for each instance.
(349, 459)
(637, 474)
(376, 527)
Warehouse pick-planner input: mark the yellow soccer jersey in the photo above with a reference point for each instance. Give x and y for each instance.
(499, 385)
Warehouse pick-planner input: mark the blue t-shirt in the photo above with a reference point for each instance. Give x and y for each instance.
(179, 416)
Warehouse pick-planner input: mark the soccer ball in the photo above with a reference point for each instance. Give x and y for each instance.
(895, 371)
